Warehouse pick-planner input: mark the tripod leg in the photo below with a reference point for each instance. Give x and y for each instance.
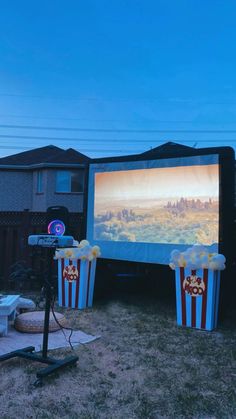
(58, 364)
(48, 302)
(46, 321)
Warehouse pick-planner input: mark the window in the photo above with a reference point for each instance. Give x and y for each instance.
(70, 181)
(39, 187)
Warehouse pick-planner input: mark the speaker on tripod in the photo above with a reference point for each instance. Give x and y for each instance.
(57, 219)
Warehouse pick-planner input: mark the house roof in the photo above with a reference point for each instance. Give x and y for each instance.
(48, 155)
(166, 148)
(161, 151)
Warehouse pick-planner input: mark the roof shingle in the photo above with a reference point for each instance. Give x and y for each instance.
(47, 154)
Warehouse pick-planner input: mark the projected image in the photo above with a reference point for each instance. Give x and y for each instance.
(177, 205)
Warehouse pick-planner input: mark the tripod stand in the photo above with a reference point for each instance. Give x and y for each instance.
(28, 352)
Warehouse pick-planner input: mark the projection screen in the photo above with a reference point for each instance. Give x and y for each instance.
(142, 210)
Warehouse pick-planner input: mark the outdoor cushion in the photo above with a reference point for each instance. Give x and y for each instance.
(33, 322)
(26, 304)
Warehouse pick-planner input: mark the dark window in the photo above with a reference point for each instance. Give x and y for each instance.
(39, 188)
(70, 181)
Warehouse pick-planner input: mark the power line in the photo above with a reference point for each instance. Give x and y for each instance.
(81, 149)
(87, 150)
(50, 97)
(144, 131)
(32, 137)
(123, 140)
(93, 120)
(118, 99)
(10, 147)
(56, 139)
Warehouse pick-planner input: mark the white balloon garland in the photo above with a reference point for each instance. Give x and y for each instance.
(83, 251)
(197, 257)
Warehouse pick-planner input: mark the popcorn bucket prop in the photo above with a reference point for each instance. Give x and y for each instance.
(197, 280)
(76, 275)
(76, 280)
(197, 297)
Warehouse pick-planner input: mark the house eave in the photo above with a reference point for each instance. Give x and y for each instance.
(38, 166)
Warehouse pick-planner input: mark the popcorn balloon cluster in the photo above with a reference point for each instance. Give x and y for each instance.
(197, 257)
(83, 251)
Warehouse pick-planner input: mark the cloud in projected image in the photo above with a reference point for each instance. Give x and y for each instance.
(196, 181)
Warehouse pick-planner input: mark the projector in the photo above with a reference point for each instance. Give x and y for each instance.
(50, 240)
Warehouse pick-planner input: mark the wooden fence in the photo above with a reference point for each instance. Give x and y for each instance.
(15, 227)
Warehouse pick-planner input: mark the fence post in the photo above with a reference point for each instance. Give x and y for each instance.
(24, 232)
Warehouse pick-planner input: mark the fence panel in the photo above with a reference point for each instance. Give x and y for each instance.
(15, 227)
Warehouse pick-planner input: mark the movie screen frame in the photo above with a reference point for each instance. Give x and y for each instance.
(146, 250)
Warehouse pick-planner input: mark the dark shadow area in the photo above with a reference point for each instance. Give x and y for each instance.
(129, 280)
(119, 279)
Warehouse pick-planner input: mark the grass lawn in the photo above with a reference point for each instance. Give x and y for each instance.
(143, 366)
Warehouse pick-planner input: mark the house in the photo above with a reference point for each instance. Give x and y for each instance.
(37, 179)
(30, 182)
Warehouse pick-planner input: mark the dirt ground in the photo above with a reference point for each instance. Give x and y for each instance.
(143, 366)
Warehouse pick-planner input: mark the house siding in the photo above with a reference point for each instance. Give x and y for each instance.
(49, 197)
(39, 202)
(18, 191)
(15, 190)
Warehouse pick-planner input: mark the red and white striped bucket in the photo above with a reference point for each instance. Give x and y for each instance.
(197, 297)
(76, 280)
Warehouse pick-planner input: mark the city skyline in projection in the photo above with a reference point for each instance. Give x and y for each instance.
(177, 205)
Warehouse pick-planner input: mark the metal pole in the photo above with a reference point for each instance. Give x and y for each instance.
(48, 284)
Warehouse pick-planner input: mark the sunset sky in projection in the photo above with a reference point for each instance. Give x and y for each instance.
(187, 181)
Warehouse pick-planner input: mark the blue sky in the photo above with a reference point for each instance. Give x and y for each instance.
(164, 69)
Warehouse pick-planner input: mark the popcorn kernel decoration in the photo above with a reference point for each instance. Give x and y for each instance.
(83, 251)
(83, 243)
(68, 253)
(197, 257)
(96, 251)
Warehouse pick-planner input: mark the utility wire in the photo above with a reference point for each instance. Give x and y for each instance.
(12, 147)
(94, 120)
(120, 140)
(117, 99)
(105, 150)
(144, 131)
